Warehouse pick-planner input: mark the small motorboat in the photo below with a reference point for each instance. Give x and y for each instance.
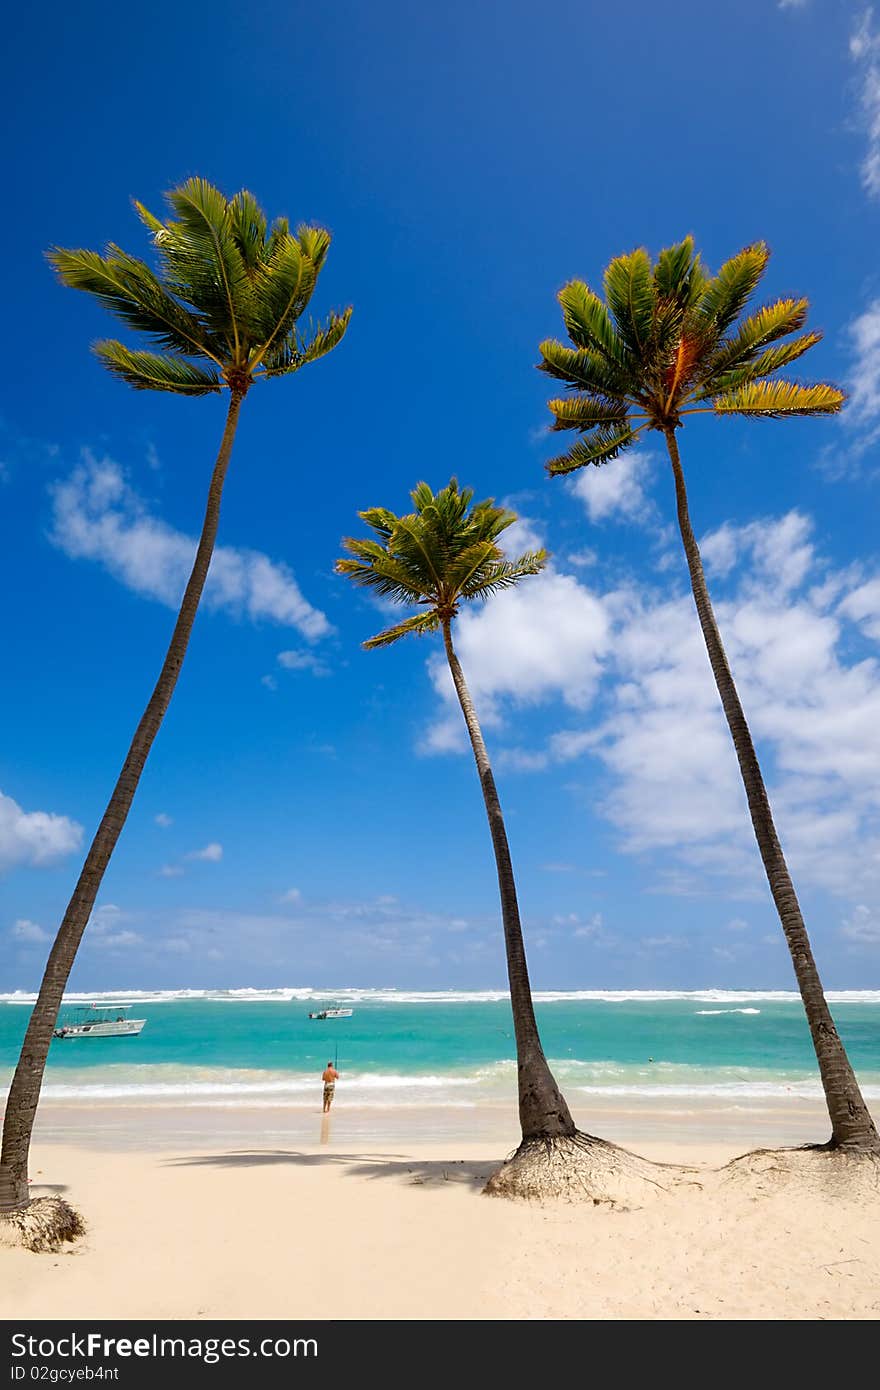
(334, 1012)
(100, 1021)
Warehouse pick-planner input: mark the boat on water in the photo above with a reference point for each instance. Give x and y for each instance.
(334, 1012)
(100, 1021)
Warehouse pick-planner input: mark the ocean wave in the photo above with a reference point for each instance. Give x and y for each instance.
(348, 996)
(176, 1084)
(708, 1013)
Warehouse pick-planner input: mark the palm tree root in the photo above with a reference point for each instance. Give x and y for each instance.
(43, 1226)
(824, 1170)
(582, 1168)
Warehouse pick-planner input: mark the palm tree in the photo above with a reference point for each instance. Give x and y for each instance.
(438, 557)
(222, 309)
(668, 342)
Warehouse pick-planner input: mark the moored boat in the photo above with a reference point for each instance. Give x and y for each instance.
(100, 1021)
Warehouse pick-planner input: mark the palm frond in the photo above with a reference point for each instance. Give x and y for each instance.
(679, 275)
(288, 281)
(380, 519)
(419, 624)
(728, 292)
(373, 568)
(314, 243)
(584, 369)
(151, 371)
(249, 228)
(767, 362)
(505, 574)
(776, 400)
(599, 446)
(131, 292)
(296, 351)
(585, 412)
(206, 261)
(630, 294)
(767, 325)
(588, 322)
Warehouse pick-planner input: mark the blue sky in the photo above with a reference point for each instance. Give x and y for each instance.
(309, 814)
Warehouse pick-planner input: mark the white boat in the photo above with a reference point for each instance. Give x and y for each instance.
(335, 1012)
(100, 1021)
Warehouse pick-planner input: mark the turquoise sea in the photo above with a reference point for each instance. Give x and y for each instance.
(404, 1048)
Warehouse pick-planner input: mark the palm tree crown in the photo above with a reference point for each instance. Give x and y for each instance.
(224, 305)
(670, 340)
(445, 551)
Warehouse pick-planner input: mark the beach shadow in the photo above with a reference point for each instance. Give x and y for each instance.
(48, 1189)
(414, 1171)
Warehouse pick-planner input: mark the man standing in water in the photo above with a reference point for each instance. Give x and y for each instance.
(329, 1076)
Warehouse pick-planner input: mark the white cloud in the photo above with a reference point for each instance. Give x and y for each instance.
(862, 927)
(303, 661)
(863, 606)
(30, 933)
(737, 924)
(543, 639)
(522, 536)
(792, 4)
(212, 853)
(780, 550)
(864, 377)
(34, 838)
(293, 895)
(864, 47)
(616, 490)
(171, 871)
(163, 820)
(106, 931)
(269, 682)
(675, 784)
(582, 559)
(97, 516)
(672, 785)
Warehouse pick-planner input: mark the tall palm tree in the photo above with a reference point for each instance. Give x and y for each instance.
(672, 341)
(440, 556)
(222, 308)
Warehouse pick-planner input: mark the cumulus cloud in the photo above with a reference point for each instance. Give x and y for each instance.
(211, 854)
(675, 783)
(864, 48)
(862, 927)
(29, 933)
(163, 820)
(541, 640)
(96, 515)
(303, 661)
(106, 930)
(522, 536)
(795, 629)
(862, 604)
(616, 491)
(863, 413)
(34, 838)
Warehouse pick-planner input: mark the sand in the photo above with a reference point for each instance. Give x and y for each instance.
(341, 1229)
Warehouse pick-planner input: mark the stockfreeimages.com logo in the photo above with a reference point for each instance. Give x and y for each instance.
(210, 1350)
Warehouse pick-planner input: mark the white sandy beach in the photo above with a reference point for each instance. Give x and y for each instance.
(222, 1223)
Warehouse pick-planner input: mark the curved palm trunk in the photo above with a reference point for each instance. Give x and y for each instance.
(543, 1112)
(851, 1123)
(24, 1093)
